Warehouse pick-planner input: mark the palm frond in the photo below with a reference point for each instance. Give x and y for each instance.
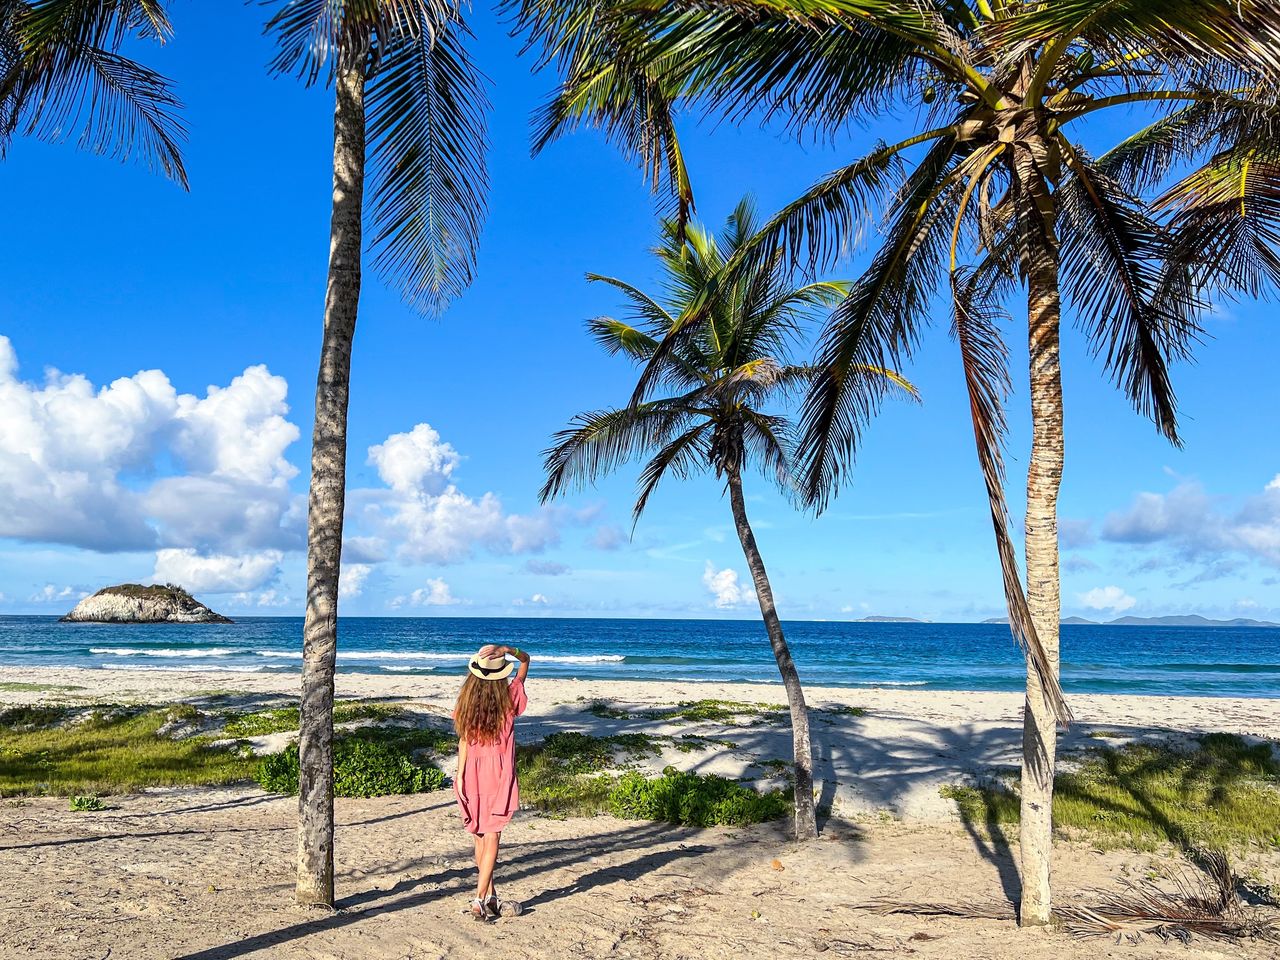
(426, 105)
(617, 337)
(875, 327)
(984, 357)
(767, 443)
(599, 442)
(1204, 904)
(1112, 261)
(1224, 218)
(315, 37)
(644, 309)
(683, 456)
(1244, 31)
(62, 77)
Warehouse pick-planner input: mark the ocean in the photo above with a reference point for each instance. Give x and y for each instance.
(1185, 661)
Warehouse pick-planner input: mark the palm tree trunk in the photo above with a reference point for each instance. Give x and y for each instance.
(328, 496)
(806, 822)
(1044, 477)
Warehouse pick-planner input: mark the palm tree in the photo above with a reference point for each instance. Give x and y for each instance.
(407, 95)
(62, 75)
(721, 378)
(996, 192)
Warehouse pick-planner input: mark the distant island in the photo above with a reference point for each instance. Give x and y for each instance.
(135, 603)
(889, 620)
(1185, 620)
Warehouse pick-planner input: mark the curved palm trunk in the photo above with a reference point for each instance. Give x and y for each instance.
(328, 496)
(806, 822)
(1044, 477)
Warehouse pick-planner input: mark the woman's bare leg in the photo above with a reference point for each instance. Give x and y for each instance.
(488, 848)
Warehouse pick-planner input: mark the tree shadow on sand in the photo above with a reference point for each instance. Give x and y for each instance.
(526, 861)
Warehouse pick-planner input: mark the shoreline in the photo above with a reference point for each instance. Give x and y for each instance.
(378, 678)
(1093, 707)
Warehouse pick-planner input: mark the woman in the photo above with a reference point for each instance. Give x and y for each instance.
(486, 786)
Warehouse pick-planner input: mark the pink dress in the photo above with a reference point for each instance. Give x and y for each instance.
(486, 787)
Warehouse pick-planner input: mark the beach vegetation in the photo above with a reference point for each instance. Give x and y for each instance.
(996, 198)
(694, 800)
(152, 591)
(719, 711)
(571, 774)
(776, 766)
(843, 710)
(182, 713)
(110, 751)
(363, 767)
(285, 719)
(606, 711)
(712, 398)
(689, 742)
(35, 717)
(86, 803)
(262, 722)
(16, 686)
(1217, 792)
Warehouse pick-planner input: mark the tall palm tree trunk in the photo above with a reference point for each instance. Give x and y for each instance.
(1044, 477)
(328, 495)
(806, 822)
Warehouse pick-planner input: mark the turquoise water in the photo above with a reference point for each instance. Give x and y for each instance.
(1199, 661)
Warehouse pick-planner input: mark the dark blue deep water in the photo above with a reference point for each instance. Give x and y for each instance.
(1197, 661)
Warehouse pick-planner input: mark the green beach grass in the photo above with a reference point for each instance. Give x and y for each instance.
(1215, 792)
(58, 751)
(85, 754)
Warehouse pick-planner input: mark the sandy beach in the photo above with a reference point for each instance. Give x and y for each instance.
(893, 759)
(207, 874)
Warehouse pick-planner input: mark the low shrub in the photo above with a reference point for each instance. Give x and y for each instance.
(694, 800)
(84, 804)
(361, 768)
(33, 718)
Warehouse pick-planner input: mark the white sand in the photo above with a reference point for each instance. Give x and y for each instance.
(207, 874)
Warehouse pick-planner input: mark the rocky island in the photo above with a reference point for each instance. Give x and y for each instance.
(135, 603)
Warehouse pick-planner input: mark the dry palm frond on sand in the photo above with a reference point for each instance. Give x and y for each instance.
(1202, 903)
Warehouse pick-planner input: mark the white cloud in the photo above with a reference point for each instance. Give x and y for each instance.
(435, 594)
(724, 587)
(1107, 598)
(79, 464)
(538, 599)
(203, 480)
(415, 462)
(50, 593)
(351, 579)
(1198, 527)
(217, 573)
(429, 517)
(1275, 483)
(267, 598)
(546, 568)
(608, 537)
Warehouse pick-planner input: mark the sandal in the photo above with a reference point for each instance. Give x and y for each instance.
(510, 908)
(480, 911)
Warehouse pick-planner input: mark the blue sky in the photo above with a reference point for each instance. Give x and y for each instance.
(207, 306)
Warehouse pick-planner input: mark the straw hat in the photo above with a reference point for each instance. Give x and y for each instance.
(486, 668)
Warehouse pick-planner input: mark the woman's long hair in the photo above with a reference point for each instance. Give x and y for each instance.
(482, 710)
